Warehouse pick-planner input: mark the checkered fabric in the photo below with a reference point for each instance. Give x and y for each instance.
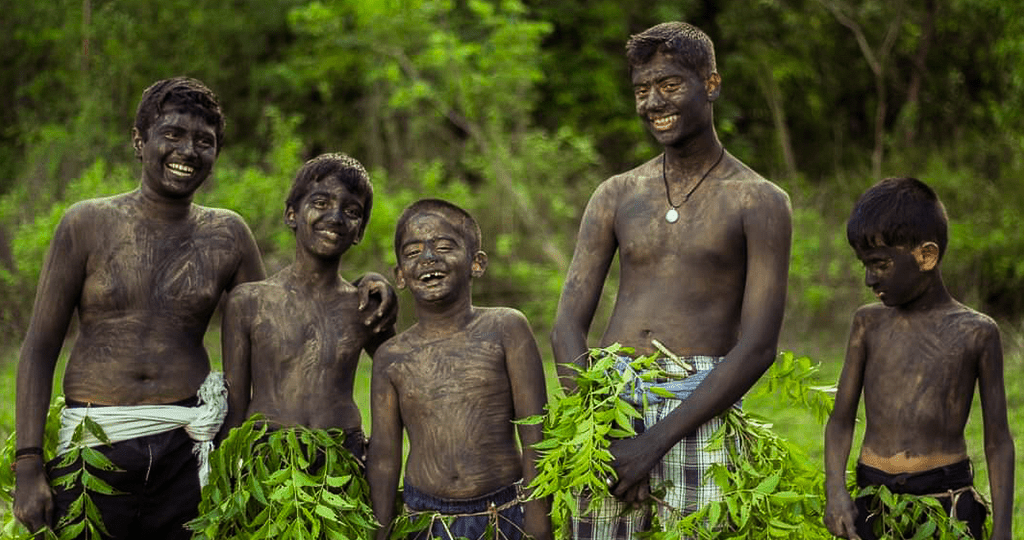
(684, 466)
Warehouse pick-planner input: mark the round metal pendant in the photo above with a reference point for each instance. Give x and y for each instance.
(671, 216)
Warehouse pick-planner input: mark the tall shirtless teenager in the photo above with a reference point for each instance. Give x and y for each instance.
(145, 271)
(703, 246)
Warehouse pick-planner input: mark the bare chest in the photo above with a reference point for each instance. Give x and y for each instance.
(705, 231)
(181, 269)
(447, 376)
(291, 327)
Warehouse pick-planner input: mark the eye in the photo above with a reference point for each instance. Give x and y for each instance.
(353, 212)
(640, 91)
(411, 253)
(204, 143)
(319, 204)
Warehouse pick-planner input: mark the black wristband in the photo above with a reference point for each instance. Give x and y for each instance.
(28, 451)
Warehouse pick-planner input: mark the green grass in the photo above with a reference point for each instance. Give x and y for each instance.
(792, 423)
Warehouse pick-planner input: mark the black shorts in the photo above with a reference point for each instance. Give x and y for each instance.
(159, 482)
(938, 480)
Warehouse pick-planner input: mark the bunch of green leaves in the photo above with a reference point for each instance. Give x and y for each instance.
(770, 490)
(578, 430)
(903, 516)
(82, 516)
(291, 483)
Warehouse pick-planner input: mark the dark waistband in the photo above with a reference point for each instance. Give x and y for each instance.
(937, 480)
(418, 500)
(187, 402)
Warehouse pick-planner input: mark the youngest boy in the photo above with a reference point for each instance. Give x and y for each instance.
(917, 356)
(295, 338)
(455, 381)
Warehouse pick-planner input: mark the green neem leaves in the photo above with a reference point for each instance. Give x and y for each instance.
(288, 483)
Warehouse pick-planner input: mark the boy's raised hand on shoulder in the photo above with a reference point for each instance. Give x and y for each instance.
(373, 284)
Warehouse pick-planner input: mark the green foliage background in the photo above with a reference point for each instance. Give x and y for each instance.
(516, 110)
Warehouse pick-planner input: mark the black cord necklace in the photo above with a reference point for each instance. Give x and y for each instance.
(672, 215)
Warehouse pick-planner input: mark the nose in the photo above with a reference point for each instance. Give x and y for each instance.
(186, 146)
(654, 99)
(428, 254)
(870, 278)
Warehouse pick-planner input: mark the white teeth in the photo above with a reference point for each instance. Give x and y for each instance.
(665, 122)
(431, 275)
(180, 170)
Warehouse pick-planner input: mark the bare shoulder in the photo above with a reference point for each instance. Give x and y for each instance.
(969, 323)
(222, 218)
(396, 349)
(507, 317)
(609, 191)
(756, 192)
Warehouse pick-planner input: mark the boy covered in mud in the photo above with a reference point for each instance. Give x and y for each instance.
(917, 356)
(455, 381)
(291, 343)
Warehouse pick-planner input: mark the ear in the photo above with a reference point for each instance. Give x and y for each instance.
(137, 143)
(289, 218)
(927, 256)
(479, 264)
(713, 86)
(399, 277)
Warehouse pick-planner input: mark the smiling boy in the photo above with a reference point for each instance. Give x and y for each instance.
(295, 338)
(144, 270)
(917, 357)
(703, 247)
(455, 381)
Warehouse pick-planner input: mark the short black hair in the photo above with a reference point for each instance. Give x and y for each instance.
(185, 93)
(683, 42)
(460, 219)
(898, 212)
(348, 170)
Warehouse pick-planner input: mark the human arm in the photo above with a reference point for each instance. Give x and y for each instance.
(999, 452)
(250, 264)
(595, 247)
(385, 455)
(382, 319)
(526, 377)
(840, 512)
(236, 351)
(767, 228)
(60, 286)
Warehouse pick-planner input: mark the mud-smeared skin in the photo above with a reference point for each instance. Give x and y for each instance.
(292, 343)
(712, 283)
(917, 358)
(144, 271)
(454, 381)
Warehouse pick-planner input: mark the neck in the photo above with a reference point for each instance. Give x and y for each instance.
(310, 272)
(935, 295)
(161, 207)
(693, 156)
(445, 316)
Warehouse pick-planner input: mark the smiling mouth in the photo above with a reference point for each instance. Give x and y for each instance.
(178, 169)
(665, 122)
(431, 277)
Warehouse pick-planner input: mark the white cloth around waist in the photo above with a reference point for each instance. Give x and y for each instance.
(121, 423)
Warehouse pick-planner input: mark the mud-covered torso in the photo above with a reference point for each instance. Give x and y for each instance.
(149, 289)
(683, 282)
(304, 354)
(457, 405)
(919, 380)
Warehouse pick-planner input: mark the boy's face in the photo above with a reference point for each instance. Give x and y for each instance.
(897, 275)
(434, 259)
(673, 102)
(177, 154)
(328, 219)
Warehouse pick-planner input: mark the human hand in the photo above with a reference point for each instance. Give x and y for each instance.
(632, 462)
(33, 500)
(374, 285)
(840, 514)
